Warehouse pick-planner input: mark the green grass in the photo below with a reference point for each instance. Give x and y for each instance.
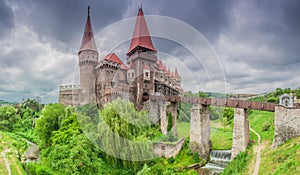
(283, 160)
(263, 123)
(183, 129)
(221, 136)
(17, 146)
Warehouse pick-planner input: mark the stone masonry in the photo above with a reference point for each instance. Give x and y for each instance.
(200, 130)
(241, 135)
(287, 124)
(163, 117)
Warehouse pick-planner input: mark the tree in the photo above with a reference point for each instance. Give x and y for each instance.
(9, 119)
(228, 116)
(123, 135)
(50, 120)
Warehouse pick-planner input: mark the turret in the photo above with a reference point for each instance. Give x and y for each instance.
(88, 58)
(141, 51)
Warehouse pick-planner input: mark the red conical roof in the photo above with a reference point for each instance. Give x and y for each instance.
(141, 36)
(113, 58)
(88, 42)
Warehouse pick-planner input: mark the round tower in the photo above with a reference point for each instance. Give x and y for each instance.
(88, 59)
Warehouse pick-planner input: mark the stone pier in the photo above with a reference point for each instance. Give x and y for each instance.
(241, 134)
(287, 124)
(173, 110)
(200, 130)
(163, 117)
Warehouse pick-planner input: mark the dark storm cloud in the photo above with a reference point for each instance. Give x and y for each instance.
(6, 19)
(258, 41)
(208, 17)
(64, 20)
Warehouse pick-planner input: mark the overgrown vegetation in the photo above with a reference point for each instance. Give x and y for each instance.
(238, 165)
(67, 139)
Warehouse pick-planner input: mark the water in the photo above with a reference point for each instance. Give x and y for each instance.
(217, 163)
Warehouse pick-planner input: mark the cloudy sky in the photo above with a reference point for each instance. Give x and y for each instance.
(254, 45)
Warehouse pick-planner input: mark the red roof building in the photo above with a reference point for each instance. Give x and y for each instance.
(113, 58)
(88, 42)
(141, 36)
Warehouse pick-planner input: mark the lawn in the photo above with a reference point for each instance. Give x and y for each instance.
(221, 137)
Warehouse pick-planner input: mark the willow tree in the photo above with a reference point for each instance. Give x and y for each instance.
(123, 135)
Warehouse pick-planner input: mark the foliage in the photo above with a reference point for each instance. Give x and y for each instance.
(215, 112)
(123, 133)
(237, 165)
(48, 122)
(228, 116)
(9, 119)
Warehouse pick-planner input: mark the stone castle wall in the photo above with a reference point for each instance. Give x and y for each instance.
(168, 150)
(287, 124)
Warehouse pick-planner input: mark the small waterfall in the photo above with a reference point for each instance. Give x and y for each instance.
(217, 162)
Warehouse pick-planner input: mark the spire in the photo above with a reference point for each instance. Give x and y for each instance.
(176, 73)
(88, 42)
(141, 36)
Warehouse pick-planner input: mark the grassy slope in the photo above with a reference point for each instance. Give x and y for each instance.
(217, 131)
(283, 160)
(15, 145)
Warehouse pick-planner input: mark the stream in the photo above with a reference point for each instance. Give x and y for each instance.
(32, 153)
(217, 163)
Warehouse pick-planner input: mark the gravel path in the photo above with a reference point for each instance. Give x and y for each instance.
(255, 172)
(7, 165)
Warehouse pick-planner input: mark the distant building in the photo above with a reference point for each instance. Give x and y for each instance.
(102, 81)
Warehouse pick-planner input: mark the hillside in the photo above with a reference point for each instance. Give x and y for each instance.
(11, 148)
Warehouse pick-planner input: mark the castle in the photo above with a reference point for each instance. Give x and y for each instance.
(143, 74)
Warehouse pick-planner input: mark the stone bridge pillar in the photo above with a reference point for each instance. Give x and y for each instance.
(173, 109)
(200, 130)
(163, 117)
(241, 134)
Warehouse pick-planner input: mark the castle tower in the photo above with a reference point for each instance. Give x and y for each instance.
(141, 51)
(88, 58)
(142, 55)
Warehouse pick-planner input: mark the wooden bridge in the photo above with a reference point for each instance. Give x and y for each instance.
(218, 102)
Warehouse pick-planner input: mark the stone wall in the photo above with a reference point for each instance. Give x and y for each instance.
(287, 124)
(172, 108)
(241, 135)
(163, 117)
(153, 108)
(200, 130)
(168, 149)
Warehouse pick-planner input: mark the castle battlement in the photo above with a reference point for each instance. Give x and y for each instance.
(69, 87)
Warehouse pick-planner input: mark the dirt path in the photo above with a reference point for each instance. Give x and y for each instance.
(7, 165)
(255, 172)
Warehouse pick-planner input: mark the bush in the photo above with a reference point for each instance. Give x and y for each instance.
(171, 160)
(266, 127)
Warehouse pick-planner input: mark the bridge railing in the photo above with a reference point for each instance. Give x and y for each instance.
(218, 102)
